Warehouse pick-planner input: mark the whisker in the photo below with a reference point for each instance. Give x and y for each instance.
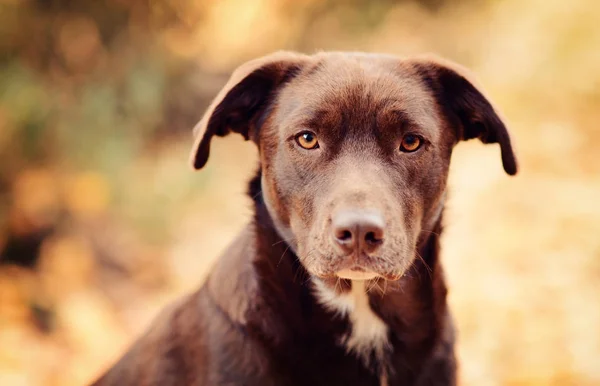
(257, 194)
(429, 270)
(284, 240)
(375, 285)
(431, 232)
(281, 258)
(371, 285)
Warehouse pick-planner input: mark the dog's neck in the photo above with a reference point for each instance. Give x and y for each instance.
(412, 308)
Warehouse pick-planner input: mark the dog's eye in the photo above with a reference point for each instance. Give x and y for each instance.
(307, 140)
(411, 143)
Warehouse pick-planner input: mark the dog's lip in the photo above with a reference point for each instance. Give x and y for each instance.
(356, 273)
(357, 268)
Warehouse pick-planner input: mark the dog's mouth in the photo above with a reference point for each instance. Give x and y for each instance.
(356, 273)
(351, 267)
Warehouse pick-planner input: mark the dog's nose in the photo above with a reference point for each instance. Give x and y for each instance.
(355, 230)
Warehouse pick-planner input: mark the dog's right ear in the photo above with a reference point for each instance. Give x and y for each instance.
(465, 105)
(243, 100)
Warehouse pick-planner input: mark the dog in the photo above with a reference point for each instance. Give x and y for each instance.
(337, 279)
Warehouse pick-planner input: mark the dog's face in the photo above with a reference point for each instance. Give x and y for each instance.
(354, 159)
(354, 151)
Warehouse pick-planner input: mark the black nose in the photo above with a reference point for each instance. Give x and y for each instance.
(355, 230)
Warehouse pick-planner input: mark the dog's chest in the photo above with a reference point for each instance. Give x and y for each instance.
(368, 337)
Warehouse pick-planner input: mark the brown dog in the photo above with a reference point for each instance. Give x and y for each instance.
(337, 281)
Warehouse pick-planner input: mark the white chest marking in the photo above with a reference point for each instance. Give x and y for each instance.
(369, 333)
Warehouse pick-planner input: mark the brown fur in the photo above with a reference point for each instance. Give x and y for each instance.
(257, 320)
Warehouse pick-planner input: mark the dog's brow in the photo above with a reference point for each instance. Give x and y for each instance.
(317, 119)
(399, 118)
(403, 116)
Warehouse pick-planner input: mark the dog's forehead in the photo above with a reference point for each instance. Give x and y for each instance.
(361, 85)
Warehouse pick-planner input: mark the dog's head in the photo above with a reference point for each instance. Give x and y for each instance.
(354, 150)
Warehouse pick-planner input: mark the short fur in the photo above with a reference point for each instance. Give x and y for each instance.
(273, 311)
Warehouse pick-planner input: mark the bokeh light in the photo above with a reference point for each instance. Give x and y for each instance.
(102, 222)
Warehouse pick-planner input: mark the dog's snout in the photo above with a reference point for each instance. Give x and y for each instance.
(358, 231)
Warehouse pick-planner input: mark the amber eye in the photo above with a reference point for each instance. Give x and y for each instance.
(410, 143)
(307, 140)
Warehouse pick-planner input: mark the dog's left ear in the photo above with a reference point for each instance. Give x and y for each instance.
(243, 100)
(466, 108)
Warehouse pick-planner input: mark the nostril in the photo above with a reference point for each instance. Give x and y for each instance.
(344, 235)
(373, 238)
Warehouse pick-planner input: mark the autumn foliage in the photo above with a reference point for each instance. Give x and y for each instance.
(102, 222)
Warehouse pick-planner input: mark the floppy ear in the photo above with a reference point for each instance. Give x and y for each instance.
(465, 107)
(243, 100)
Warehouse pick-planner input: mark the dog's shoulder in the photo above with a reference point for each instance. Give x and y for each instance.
(232, 282)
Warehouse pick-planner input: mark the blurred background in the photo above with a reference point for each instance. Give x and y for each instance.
(102, 221)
